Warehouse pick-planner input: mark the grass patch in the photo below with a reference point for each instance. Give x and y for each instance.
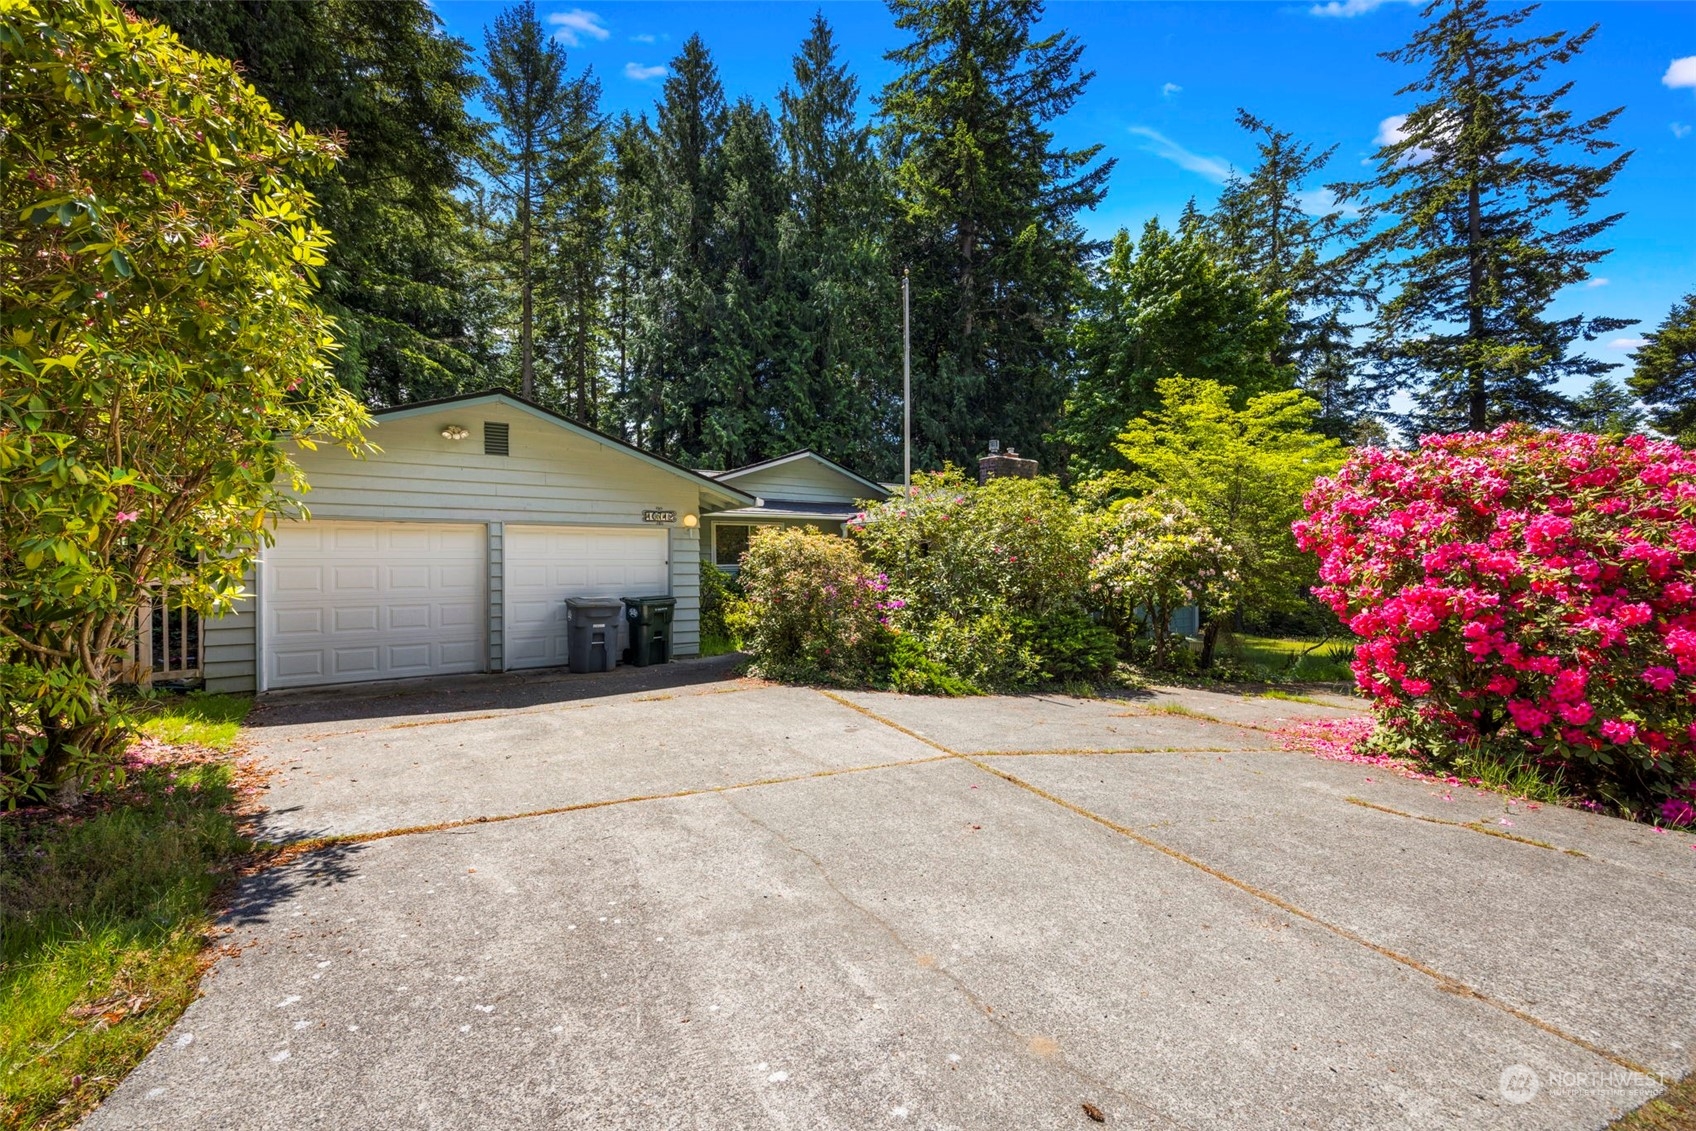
(196, 719)
(1180, 710)
(107, 913)
(1672, 1110)
(1288, 696)
(715, 645)
(1276, 658)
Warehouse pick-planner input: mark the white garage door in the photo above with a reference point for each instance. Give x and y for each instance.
(547, 564)
(352, 601)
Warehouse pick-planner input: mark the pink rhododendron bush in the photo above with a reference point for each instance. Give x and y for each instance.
(1526, 598)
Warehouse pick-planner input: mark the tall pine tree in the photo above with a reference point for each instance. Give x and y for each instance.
(1665, 375)
(1479, 215)
(988, 207)
(536, 106)
(842, 395)
(1264, 229)
(682, 292)
(401, 274)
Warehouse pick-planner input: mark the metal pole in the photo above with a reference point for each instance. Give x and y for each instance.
(906, 390)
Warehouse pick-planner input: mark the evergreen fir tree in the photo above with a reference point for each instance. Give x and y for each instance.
(1264, 228)
(535, 105)
(842, 392)
(1665, 376)
(1479, 214)
(1605, 408)
(1170, 305)
(988, 209)
(400, 274)
(683, 292)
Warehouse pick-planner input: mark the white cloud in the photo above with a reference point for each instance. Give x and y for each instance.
(1599, 281)
(1346, 8)
(1628, 343)
(1215, 169)
(577, 25)
(1167, 90)
(644, 38)
(640, 73)
(1680, 130)
(1682, 72)
(1322, 202)
(1393, 131)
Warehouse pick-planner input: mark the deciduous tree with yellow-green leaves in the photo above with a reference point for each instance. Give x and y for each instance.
(1242, 472)
(158, 349)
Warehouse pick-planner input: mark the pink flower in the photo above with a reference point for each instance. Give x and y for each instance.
(1660, 678)
(1618, 731)
(150, 176)
(128, 516)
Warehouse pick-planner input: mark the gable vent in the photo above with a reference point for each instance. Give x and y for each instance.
(495, 442)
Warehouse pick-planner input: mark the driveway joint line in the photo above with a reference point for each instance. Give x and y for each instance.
(294, 848)
(1470, 826)
(1444, 982)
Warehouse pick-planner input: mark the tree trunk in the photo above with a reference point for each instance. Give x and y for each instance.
(1209, 638)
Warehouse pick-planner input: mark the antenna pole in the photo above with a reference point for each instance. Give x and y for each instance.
(906, 390)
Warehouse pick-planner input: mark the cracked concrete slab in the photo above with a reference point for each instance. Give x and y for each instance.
(1536, 927)
(429, 771)
(1057, 722)
(922, 944)
(926, 946)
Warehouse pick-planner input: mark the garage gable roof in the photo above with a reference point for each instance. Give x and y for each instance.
(710, 487)
(807, 454)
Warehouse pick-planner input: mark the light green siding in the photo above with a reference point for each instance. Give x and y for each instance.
(229, 656)
(803, 480)
(552, 476)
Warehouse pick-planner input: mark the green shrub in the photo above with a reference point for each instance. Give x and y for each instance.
(912, 670)
(958, 549)
(984, 650)
(814, 612)
(1068, 645)
(721, 595)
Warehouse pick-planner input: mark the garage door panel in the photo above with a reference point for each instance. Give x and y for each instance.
(408, 616)
(545, 565)
(352, 601)
(359, 618)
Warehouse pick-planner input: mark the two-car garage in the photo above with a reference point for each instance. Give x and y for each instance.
(450, 543)
(353, 601)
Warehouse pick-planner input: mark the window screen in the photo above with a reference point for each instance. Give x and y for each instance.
(495, 439)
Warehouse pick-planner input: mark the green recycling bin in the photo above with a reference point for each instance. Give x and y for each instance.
(649, 619)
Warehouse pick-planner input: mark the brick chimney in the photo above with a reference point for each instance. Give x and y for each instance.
(999, 463)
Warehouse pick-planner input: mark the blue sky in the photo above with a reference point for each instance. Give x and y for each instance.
(1169, 78)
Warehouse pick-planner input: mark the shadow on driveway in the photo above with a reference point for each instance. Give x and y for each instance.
(446, 695)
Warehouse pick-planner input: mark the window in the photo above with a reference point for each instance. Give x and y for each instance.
(730, 542)
(495, 439)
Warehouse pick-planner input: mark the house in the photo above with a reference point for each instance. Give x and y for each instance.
(452, 548)
(802, 488)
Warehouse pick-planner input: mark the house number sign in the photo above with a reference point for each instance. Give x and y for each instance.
(659, 516)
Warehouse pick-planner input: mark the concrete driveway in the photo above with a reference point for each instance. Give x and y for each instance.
(673, 899)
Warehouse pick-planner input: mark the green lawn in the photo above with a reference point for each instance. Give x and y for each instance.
(1278, 658)
(107, 918)
(197, 720)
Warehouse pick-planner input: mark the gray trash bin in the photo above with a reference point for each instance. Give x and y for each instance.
(594, 632)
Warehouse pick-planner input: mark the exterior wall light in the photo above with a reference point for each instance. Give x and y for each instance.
(455, 432)
(690, 521)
